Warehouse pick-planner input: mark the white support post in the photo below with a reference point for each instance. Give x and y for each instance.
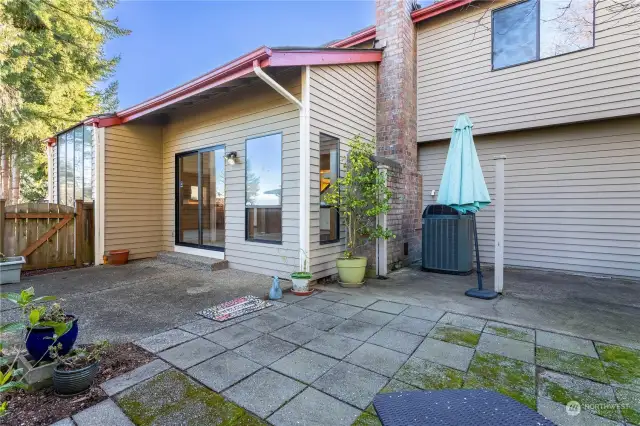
(381, 244)
(499, 225)
(305, 152)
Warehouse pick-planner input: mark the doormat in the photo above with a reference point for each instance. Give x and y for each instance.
(234, 308)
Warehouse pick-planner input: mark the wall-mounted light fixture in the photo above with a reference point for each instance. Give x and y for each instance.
(232, 158)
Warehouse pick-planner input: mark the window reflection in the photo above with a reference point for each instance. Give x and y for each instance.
(263, 188)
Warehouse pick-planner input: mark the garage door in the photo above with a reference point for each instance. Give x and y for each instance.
(572, 195)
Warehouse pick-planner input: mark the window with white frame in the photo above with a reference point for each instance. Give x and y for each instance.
(329, 169)
(263, 189)
(537, 29)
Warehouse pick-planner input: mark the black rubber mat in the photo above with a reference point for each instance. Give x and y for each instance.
(454, 408)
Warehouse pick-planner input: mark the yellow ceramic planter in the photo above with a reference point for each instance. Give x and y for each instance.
(351, 271)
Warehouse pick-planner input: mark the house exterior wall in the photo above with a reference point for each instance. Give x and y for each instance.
(133, 189)
(455, 76)
(229, 120)
(342, 105)
(396, 127)
(571, 195)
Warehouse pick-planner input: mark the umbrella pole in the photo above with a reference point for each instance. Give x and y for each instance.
(475, 237)
(479, 292)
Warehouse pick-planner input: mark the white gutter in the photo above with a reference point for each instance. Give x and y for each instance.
(305, 153)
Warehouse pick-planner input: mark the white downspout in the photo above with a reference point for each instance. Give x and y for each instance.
(99, 196)
(305, 152)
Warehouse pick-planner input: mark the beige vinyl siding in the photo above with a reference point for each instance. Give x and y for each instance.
(133, 189)
(571, 195)
(455, 76)
(229, 120)
(343, 104)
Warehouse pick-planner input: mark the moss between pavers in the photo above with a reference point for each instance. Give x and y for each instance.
(173, 397)
(428, 375)
(508, 376)
(595, 397)
(629, 405)
(366, 419)
(567, 362)
(511, 333)
(455, 335)
(622, 365)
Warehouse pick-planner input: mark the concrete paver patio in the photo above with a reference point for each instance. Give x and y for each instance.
(553, 338)
(333, 377)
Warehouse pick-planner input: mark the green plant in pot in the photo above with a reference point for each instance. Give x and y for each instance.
(300, 279)
(76, 370)
(360, 195)
(16, 334)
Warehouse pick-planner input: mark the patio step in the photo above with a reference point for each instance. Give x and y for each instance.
(193, 261)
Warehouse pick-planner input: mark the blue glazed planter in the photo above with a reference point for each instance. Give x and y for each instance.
(40, 338)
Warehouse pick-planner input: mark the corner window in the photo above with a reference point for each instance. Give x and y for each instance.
(536, 29)
(263, 189)
(75, 165)
(329, 167)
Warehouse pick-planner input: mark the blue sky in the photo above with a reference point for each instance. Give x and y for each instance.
(174, 41)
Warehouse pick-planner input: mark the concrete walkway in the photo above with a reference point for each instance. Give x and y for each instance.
(602, 309)
(322, 359)
(126, 303)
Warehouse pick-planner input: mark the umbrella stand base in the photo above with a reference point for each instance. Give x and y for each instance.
(481, 294)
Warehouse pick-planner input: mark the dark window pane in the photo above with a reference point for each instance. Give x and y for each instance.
(264, 223)
(188, 199)
(515, 34)
(212, 182)
(329, 166)
(78, 169)
(88, 164)
(264, 171)
(565, 26)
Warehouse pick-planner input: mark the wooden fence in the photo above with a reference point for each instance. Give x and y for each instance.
(48, 235)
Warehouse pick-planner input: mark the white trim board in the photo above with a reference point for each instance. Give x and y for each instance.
(199, 252)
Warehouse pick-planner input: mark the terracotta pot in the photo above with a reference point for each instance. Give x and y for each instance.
(118, 257)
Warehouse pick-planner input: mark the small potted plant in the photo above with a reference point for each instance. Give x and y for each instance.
(52, 325)
(77, 369)
(361, 197)
(300, 279)
(10, 268)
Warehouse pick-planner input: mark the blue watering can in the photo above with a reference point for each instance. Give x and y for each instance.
(275, 292)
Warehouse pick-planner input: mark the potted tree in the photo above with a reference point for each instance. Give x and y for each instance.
(361, 195)
(76, 370)
(10, 268)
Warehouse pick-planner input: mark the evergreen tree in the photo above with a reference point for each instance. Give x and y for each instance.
(51, 61)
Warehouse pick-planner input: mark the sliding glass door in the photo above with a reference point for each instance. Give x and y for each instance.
(200, 198)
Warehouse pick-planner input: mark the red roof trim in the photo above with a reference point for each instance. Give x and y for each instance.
(419, 15)
(220, 75)
(283, 58)
(360, 37)
(437, 9)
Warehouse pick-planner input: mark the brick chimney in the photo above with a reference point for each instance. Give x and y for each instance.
(396, 127)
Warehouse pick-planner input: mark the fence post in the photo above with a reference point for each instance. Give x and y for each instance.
(79, 232)
(2, 212)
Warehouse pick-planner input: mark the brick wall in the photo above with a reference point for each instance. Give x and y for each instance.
(396, 126)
